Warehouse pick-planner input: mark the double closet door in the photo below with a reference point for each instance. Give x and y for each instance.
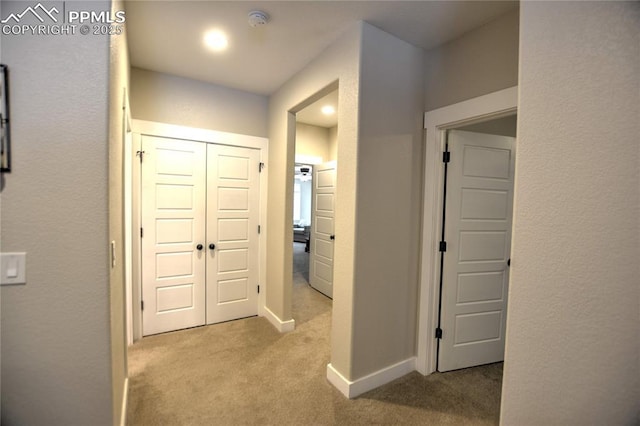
(200, 251)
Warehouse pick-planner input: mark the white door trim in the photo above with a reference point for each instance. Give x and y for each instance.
(482, 108)
(151, 128)
(127, 137)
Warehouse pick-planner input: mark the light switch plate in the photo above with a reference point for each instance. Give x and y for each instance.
(13, 268)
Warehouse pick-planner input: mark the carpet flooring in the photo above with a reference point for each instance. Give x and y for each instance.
(300, 264)
(246, 373)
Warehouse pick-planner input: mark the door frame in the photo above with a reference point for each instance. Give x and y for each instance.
(483, 108)
(150, 128)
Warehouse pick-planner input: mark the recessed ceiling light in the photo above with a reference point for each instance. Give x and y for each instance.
(216, 40)
(328, 110)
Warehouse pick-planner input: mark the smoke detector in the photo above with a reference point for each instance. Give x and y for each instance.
(258, 18)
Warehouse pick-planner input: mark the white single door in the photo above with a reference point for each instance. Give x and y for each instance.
(173, 227)
(479, 202)
(233, 188)
(322, 228)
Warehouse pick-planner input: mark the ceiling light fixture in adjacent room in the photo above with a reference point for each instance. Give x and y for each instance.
(328, 110)
(216, 40)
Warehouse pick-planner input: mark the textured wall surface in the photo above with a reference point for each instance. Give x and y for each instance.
(118, 83)
(56, 355)
(176, 100)
(482, 61)
(572, 327)
(339, 62)
(333, 143)
(388, 202)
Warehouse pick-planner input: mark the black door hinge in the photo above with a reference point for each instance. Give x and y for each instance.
(258, 229)
(446, 157)
(142, 305)
(438, 333)
(141, 233)
(258, 289)
(260, 167)
(443, 246)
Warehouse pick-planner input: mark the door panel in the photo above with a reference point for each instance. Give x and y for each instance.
(478, 233)
(173, 213)
(174, 297)
(232, 225)
(322, 228)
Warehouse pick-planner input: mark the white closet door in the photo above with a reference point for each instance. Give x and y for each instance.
(233, 191)
(173, 222)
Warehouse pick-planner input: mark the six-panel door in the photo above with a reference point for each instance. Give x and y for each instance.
(478, 234)
(322, 228)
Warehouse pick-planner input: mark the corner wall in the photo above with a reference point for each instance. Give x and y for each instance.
(388, 202)
(56, 359)
(340, 62)
(378, 187)
(572, 348)
(118, 88)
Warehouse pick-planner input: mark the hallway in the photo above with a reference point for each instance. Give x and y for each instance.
(245, 372)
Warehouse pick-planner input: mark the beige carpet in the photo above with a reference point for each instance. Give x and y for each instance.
(245, 372)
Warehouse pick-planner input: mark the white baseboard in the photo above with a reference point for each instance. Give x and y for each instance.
(281, 326)
(338, 380)
(371, 381)
(125, 398)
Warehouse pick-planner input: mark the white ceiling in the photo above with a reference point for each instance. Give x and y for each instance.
(313, 113)
(166, 36)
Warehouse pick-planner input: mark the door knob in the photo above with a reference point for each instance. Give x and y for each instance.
(509, 262)
(212, 246)
(199, 247)
(332, 237)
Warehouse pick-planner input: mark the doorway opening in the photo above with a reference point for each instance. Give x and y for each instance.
(314, 189)
(302, 204)
(466, 270)
(481, 112)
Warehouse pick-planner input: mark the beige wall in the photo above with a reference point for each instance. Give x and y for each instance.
(389, 176)
(118, 87)
(572, 349)
(312, 141)
(176, 100)
(333, 143)
(482, 61)
(375, 291)
(56, 359)
(339, 62)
